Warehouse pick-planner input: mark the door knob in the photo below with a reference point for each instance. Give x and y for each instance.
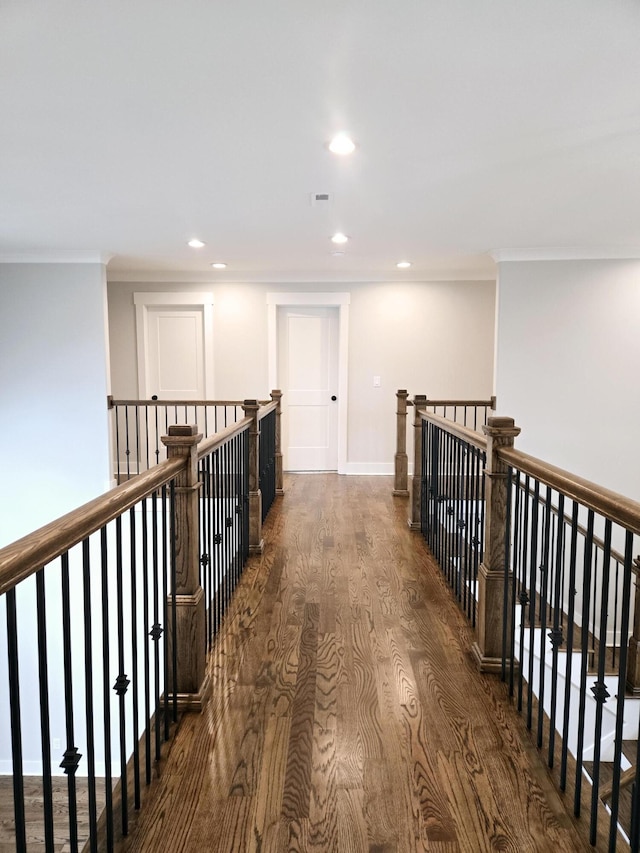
(333, 397)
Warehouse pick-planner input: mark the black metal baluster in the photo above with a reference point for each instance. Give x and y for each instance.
(117, 446)
(570, 631)
(507, 565)
(157, 430)
(523, 598)
(513, 490)
(156, 630)
(121, 683)
(88, 665)
(544, 570)
(599, 689)
(127, 451)
(174, 613)
(533, 591)
(45, 731)
(16, 727)
(622, 676)
(165, 610)
(556, 636)
(145, 636)
(138, 455)
(71, 757)
(133, 571)
(146, 435)
(586, 606)
(106, 688)
(615, 615)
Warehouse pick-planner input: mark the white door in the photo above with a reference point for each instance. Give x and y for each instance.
(174, 342)
(308, 376)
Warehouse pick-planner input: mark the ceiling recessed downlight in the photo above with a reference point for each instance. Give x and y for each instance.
(219, 266)
(337, 254)
(339, 238)
(403, 265)
(195, 243)
(342, 144)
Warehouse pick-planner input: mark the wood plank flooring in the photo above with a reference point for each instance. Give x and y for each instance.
(347, 714)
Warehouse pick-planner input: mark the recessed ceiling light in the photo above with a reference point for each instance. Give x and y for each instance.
(337, 254)
(195, 243)
(339, 238)
(342, 144)
(219, 266)
(403, 265)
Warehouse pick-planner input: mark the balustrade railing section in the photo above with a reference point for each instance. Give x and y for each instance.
(452, 508)
(138, 426)
(110, 613)
(88, 667)
(570, 588)
(542, 563)
(224, 525)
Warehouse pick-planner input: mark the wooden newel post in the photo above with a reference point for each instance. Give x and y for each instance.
(277, 395)
(188, 634)
(400, 483)
(633, 658)
(419, 404)
(256, 543)
(487, 651)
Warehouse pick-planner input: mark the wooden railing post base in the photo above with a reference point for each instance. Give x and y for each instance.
(633, 653)
(256, 542)
(193, 681)
(488, 649)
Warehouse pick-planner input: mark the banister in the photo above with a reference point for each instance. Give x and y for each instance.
(111, 403)
(30, 553)
(208, 445)
(611, 505)
(466, 434)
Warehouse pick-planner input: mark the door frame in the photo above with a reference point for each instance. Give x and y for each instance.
(341, 301)
(142, 301)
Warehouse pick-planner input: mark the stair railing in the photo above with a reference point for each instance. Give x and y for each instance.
(110, 613)
(549, 558)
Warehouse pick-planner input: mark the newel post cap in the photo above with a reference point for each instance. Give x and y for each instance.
(182, 435)
(499, 426)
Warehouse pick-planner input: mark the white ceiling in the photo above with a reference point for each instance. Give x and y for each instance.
(129, 126)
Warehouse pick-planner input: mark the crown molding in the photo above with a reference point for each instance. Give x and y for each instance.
(56, 257)
(565, 254)
(274, 277)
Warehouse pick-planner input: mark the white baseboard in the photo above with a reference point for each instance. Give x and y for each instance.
(373, 468)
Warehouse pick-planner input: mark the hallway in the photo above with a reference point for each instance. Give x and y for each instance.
(346, 712)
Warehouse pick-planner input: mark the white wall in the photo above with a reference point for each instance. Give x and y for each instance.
(55, 453)
(53, 387)
(567, 361)
(433, 337)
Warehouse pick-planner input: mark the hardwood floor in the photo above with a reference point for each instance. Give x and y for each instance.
(347, 714)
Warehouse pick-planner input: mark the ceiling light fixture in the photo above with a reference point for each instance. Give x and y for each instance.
(219, 266)
(339, 238)
(337, 254)
(195, 243)
(342, 144)
(403, 265)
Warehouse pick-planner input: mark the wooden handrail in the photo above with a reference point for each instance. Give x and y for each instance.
(111, 403)
(611, 505)
(29, 554)
(210, 444)
(466, 434)
(490, 404)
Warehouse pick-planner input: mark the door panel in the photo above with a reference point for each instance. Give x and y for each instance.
(308, 373)
(176, 357)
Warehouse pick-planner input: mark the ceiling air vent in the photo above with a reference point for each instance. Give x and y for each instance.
(320, 199)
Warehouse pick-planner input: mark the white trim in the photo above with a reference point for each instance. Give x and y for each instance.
(334, 300)
(141, 301)
(369, 468)
(300, 277)
(564, 254)
(56, 257)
